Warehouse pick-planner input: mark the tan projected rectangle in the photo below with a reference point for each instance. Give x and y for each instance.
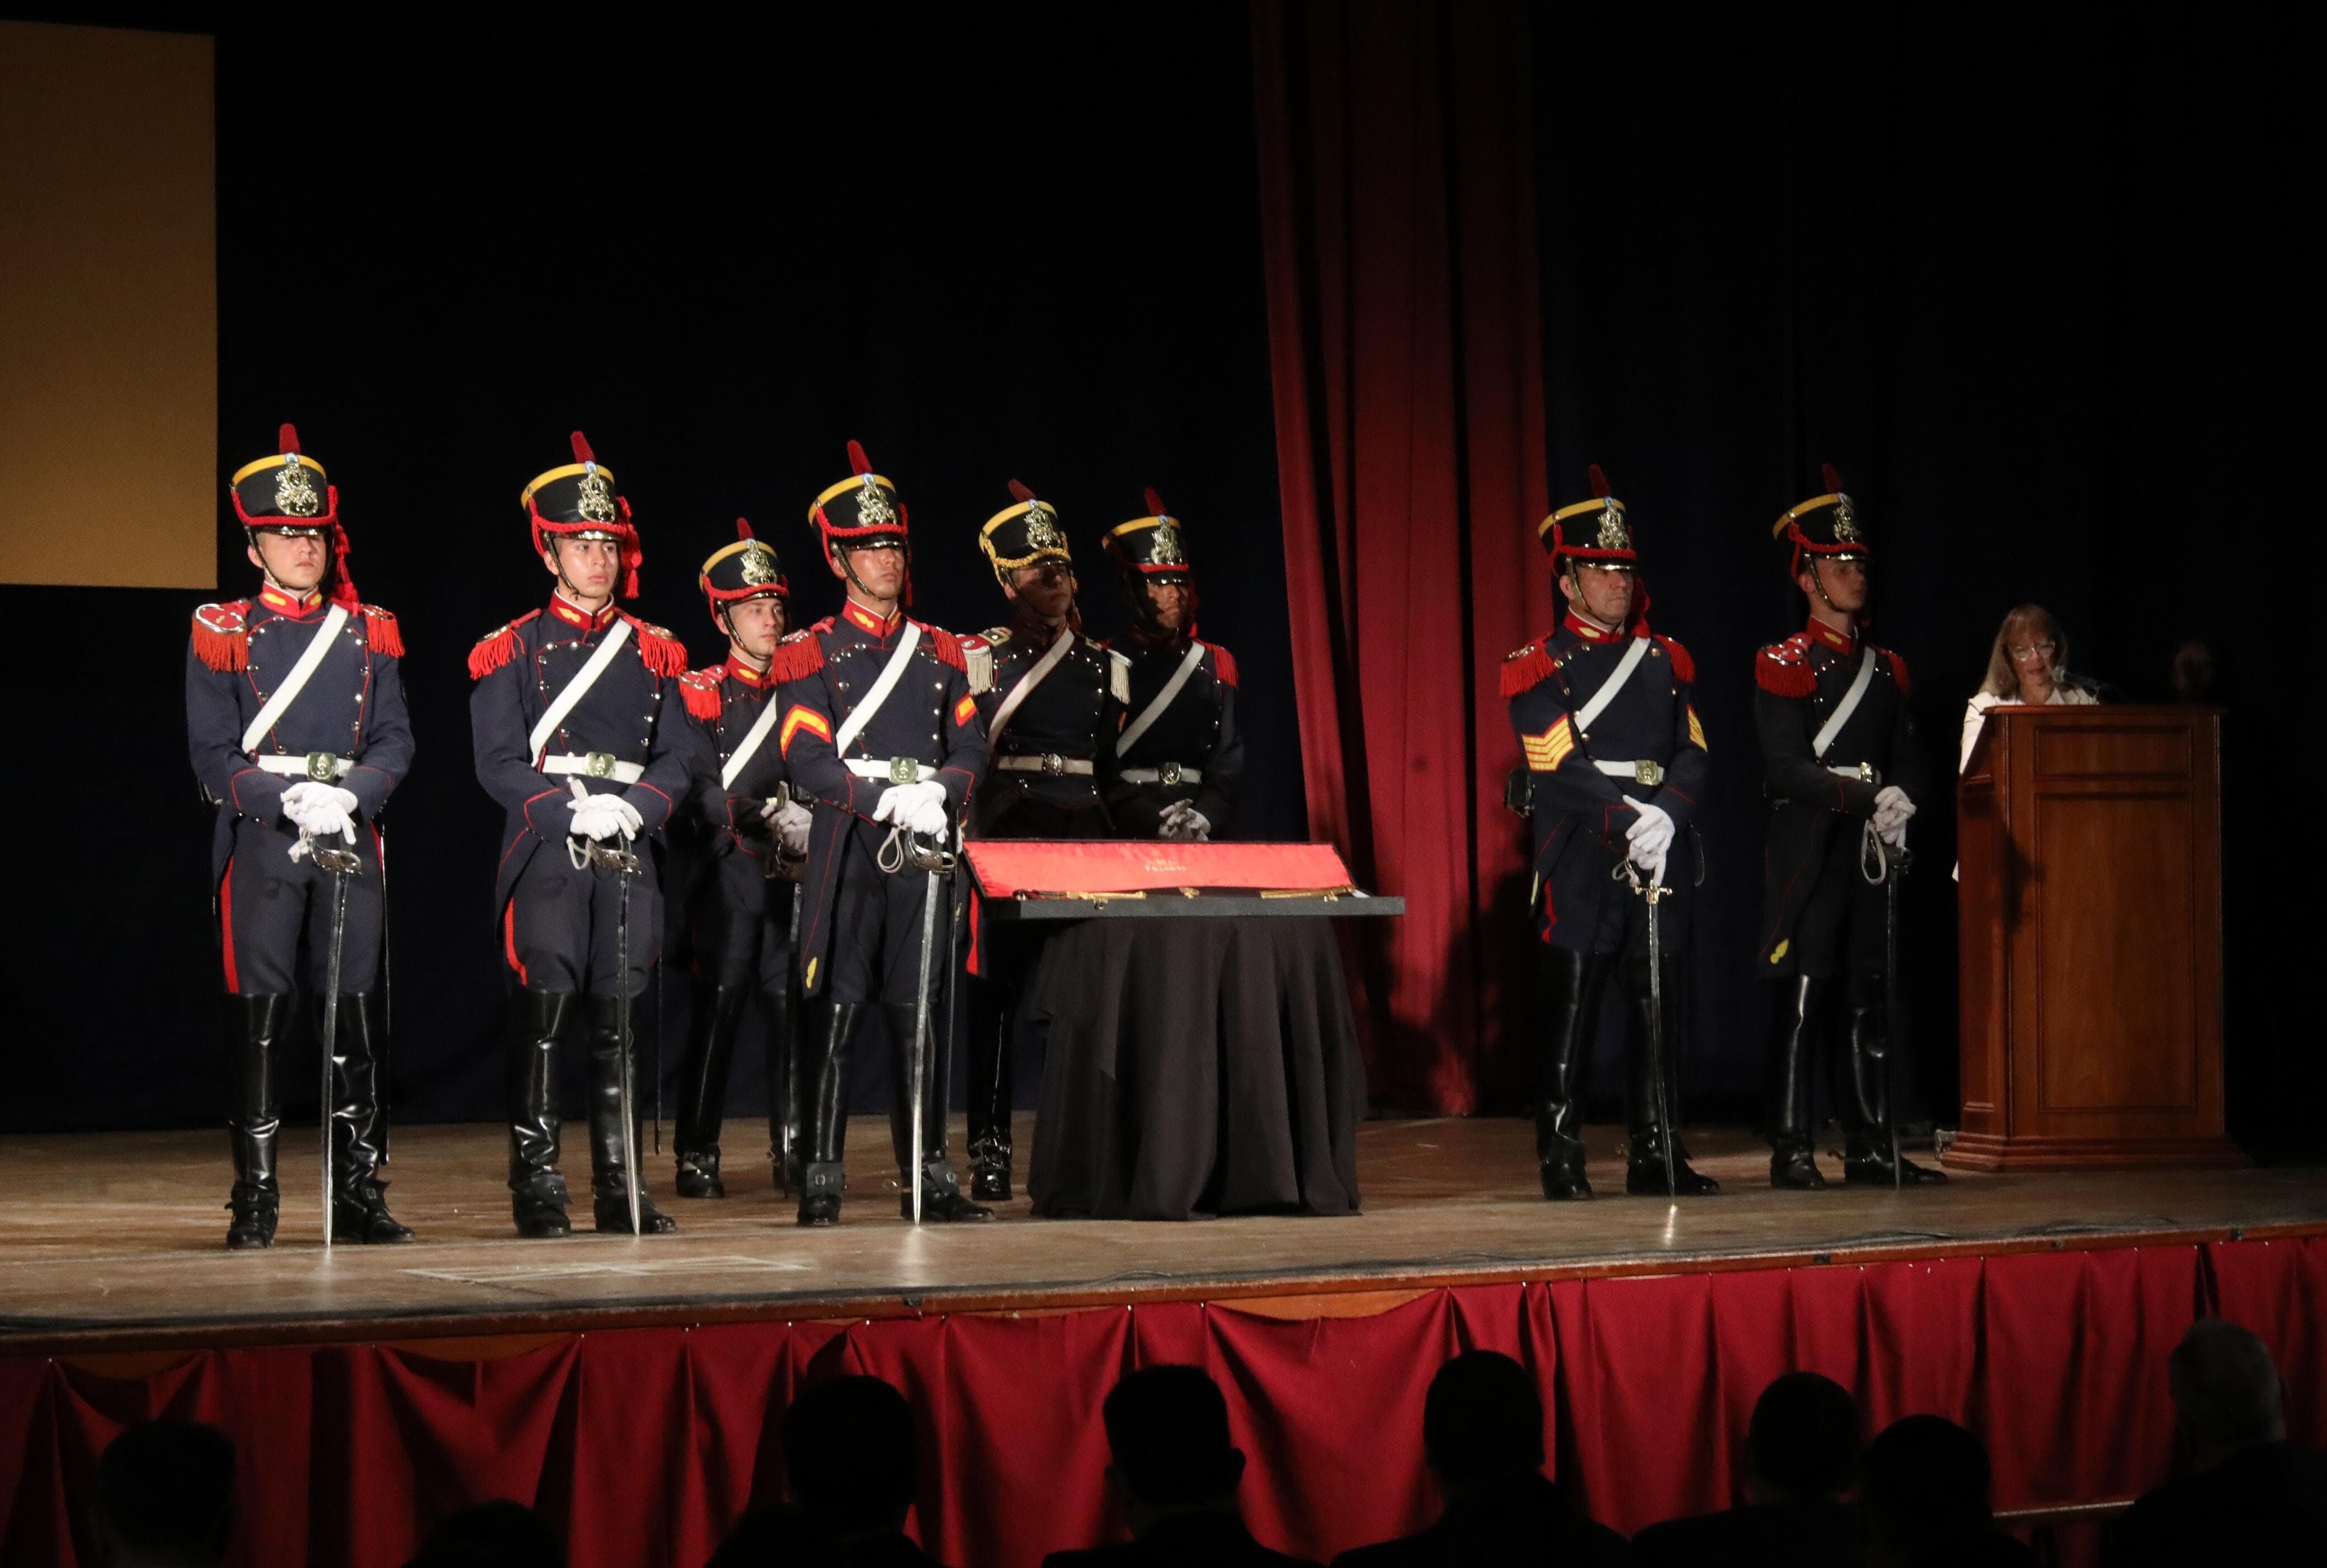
(108, 308)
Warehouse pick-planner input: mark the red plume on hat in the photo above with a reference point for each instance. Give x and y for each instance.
(1155, 502)
(1020, 492)
(743, 529)
(1598, 483)
(858, 461)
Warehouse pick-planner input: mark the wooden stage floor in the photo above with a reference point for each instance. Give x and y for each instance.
(114, 1242)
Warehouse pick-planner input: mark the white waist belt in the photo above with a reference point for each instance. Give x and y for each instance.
(595, 765)
(315, 765)
(1169, 774)
(1046, 763)
(1866, 772)
(893, 771)
(1641, 772)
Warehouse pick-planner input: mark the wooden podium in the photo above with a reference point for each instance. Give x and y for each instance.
(2091, 954)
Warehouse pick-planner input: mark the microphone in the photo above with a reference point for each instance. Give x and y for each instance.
(2099, 690)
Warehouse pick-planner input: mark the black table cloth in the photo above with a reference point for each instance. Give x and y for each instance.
(1195, 1066)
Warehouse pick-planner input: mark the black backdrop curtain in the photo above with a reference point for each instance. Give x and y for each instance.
(2040, 282)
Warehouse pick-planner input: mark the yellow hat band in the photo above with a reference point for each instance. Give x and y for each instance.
(281, 460)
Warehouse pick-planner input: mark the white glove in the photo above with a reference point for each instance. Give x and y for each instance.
(792, 820)
(1649, 836)
(1183, 824)
(1892, 810)
(916, 807)
(605, 817)
(320, 809)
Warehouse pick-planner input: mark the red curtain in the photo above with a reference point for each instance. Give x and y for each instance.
(1398, 241)
(642, 1446)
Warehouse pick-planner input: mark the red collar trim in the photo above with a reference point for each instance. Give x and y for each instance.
(289, 604)
(1589, 632)
(572, 614)
(856, 615)
(1819, 631)
(755, 678)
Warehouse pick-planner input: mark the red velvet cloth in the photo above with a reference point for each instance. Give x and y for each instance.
(1007, 866)
(1397, 214)
(642, 1446)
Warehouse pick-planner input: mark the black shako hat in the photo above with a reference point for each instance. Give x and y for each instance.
(1824, 526)
(1596, 532)
(289, 493)
(746, 569)
(1022, 535)
(579, 502)
(862, 509)
(1151, 547)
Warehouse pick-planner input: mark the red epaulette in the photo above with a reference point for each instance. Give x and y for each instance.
(800, 655)
(1525, 668)
(700, 688)
(659, 649)
(1223, 664)
(945, 645)
(222, 635)
(1899, 673)
(1684, 666)
(1783, 669)
(497, 649)
(381, 631)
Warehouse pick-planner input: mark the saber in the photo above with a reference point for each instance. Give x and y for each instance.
(341, 864)
(1655, 893)
(625, 865)
(938, 861)
(385, 1075)
(1895, 1023)
(787, 1093)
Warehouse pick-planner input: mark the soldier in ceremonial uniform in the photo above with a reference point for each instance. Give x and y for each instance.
(1180, 752)
(1616, 764)
(1843, 772)
(295, 722)
(880, 729)
(582, 736)
(1051, 699)
(743, 909)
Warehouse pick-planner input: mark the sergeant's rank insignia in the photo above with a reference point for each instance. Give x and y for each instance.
(1846, 522)
(596, 504)
(1166, 551)
(1042, 534)
(872, 508)
(759, 566)
(1613, 535)
(295, 492)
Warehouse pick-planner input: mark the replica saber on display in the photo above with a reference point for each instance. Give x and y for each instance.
(343, 863)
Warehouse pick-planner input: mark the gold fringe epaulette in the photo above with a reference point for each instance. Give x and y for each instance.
(1783, 669)
(799, 656)
(700, 687)
(1525, 668)
(222, 635)
(381, 631)
(497, 649)
(659, 649)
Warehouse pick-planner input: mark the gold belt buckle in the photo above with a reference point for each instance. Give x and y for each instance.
(1645, 771)
(323, 766)
(905, 770)
(600, 764)
(1053, 764)
(1169, 774)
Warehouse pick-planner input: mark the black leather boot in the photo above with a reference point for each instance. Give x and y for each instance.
(718, 1015)
(254, 1026)
(990, 1087)
(1800, 1009)
(941, 1194)
(1572, 985)
(359, 1200)
(538, 1196)
(1866, 1140)
(786, 1150)
(1644, 1165)
(825, 1071)
(609, 1174)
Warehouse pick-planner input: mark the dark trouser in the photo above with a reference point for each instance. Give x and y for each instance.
(742, 943)
(561, 929)
(1833, 1014)
(270, 905)
(1574, 984)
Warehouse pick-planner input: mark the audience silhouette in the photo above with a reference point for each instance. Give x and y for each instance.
(498, 1533)
(1925, 1501)
(851, 1464)
(164, 1497)
(1803, 1440)
(1175, 1475)
(1482, 1440)
(2251, 1496)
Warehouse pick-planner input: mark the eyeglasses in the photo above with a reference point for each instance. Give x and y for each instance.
(2026, 650)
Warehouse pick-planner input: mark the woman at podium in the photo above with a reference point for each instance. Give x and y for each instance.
(2028, 667)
